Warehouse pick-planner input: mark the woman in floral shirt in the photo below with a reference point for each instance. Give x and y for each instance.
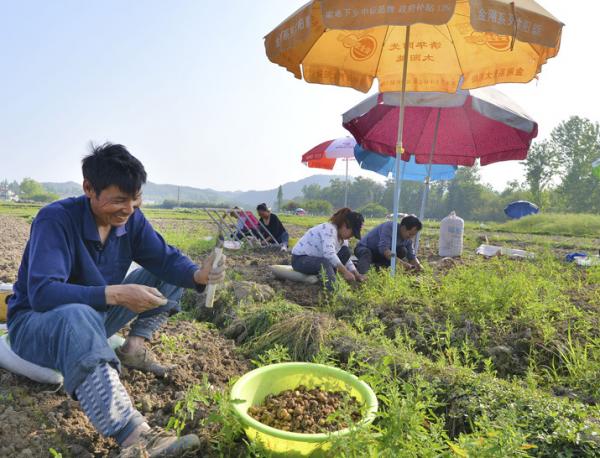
(325, 247)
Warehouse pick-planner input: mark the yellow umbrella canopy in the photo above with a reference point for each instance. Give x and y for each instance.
(351, 42)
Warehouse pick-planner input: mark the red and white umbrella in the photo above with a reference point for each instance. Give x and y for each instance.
(326, 154)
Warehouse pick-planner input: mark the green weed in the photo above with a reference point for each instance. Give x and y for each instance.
(172, 344)
(277, 354)
(186, 408)
(54, 453)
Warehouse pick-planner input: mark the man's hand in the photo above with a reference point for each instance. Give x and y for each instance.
(387, 254)
(137, 298)
(417, 265)
(209, 276)
(406, 265)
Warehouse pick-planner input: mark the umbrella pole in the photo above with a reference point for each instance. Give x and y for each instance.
(401, 181)
(399, 150)
(346, 188)
(428, 179)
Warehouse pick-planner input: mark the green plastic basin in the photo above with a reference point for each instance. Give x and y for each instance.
(252, 388)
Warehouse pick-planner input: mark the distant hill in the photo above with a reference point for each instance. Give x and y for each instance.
(157, 193)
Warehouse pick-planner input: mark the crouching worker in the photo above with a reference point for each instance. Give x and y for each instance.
(72, 294)
(326, 247)
(375, 248)
(274, 227)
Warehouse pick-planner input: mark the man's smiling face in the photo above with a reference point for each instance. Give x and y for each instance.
(112, 206)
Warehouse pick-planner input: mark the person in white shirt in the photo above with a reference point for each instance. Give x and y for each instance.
(325, 247)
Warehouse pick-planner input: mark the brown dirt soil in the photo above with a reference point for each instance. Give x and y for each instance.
(254, 265)
(183, 226)
(14, 234)
(34, 419)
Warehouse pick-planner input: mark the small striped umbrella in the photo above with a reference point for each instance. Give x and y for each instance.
(326, 154)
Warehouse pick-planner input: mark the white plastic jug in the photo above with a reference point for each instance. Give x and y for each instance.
(452, 229)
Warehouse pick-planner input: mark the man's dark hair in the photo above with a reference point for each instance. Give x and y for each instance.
(110, 164)
(411, 221)
(262, 208)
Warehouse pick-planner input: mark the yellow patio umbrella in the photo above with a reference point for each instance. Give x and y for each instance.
(431, 45)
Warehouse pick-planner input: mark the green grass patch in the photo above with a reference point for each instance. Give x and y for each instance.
(582, 225)
(192, 241)
(179, 214)
(20, 210)
(536, 320)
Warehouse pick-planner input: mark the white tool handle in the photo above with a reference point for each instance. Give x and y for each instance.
(211, 289)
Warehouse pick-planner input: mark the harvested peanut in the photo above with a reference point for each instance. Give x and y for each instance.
(307, 411)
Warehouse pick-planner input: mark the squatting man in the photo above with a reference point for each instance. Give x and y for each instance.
(72, 293)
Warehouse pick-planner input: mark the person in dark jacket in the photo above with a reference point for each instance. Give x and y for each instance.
(274, 226)
(73, 292)
(375, 248)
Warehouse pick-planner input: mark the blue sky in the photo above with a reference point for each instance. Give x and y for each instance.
(186, 86)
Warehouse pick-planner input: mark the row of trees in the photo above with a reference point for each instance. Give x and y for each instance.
(28, 190)
(559, 169)
(172, 203)
(558, 178)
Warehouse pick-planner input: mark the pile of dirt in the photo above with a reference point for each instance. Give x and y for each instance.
(254, 265)
(15, 232)
(34, 419)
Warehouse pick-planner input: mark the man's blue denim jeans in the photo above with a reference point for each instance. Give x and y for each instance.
(72, 338)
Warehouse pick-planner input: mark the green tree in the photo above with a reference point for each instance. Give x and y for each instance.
(410, 196)
(29, 188)
(334, 193)
(373, 210)
(466, 194)
(362, 191)
(44, 197)
(577, 142)
(318, 207)
(436, 205)
(542, 167)
(14, 187)
(291, 205)
(279, 198)
(312, 192)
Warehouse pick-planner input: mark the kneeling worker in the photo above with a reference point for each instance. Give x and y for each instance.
(375, 248)
(325, 247)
